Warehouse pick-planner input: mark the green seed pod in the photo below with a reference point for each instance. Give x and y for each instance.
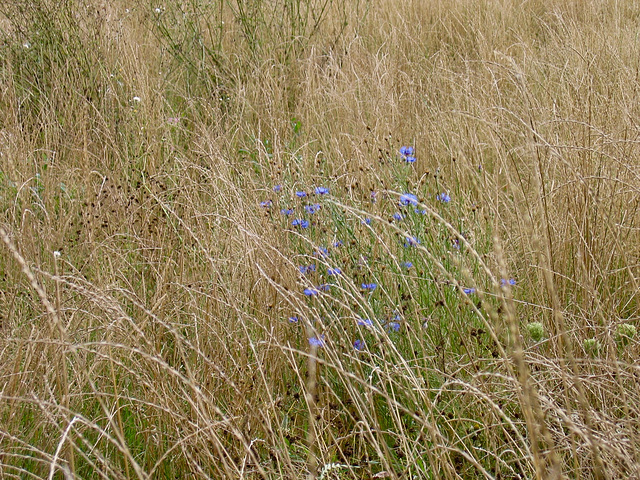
(625, 333)
(536, 330)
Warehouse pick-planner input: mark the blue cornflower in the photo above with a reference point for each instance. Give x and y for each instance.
(420, 212)
(307, 269)
(410, 159)
(293, 319)
(301, 194)
(408, 199)
(395, 326)
(338, 243)
(310, 292)
(358, 344)
(469, 291)
(443, 197)
(287, 211)
(311, 209)
(366, 221)
(455, 242)
(325, 287)
(397, 216)
(365, 322)
(277, 188)
(369, 286)
(504, 282)
(407, 265)
(334, 271)
(322, 252)
(321, 190)
(266, 204)
(406, 151)
(411, 242)
(317, 341)
(298, 222)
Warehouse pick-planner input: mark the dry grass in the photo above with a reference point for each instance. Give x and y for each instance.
(157, 342)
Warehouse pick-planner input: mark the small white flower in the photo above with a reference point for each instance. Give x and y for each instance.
(158, 10)
(137, 99)
(56, 254)
(26, 45)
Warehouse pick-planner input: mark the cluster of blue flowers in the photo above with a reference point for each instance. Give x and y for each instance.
(407, 154)
(306, 210)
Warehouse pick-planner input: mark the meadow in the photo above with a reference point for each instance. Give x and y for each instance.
(321, 239)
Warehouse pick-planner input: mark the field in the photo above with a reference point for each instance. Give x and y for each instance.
(321, 239)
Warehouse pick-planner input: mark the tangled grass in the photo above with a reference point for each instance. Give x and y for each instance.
(324, 239)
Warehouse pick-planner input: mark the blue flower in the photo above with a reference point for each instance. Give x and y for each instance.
(408, 199)
(338, 243)
(325, 287)
(469, 291)
(301, 194)
(311, 209)
(504, 282)
(369, 286)
(334, 271)
(310, 292)
(411, 242)
(286, 211)
(358, 344)
(366, 221)
(310, 268)
(410, 159)
(317, 341)
(321, 190)
(374, 196)
(443, 197)
(293, 319)
(407, 265)
(266, 204)
(365, 322)
(456, 243)
(420, 212)
(406, 151)
(322, 252)
(395, 326)
(397, 216)
(298, 222)
(277, 188)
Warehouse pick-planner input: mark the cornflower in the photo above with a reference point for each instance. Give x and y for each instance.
(365, 322)
(321, 190)
(443, 197)
(369, 286)
(411, 242)
(299, 222)
(317, 341)
(408, 199)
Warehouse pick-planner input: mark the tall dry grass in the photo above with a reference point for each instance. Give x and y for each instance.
(146, 295)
